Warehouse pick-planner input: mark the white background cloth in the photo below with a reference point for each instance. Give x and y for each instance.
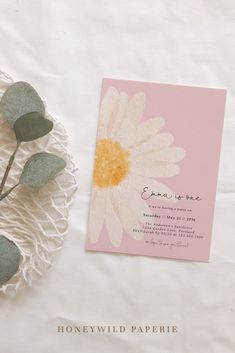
(64, 48)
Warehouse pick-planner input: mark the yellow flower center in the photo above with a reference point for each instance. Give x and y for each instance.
(111, 163)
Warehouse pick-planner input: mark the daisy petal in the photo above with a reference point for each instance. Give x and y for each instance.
(146, 130)
(140, 183)
(135, 108)
(96, 218)
(168, 154)
(153, 144)
(123, 101)
(134, 112)
(135, 202)
(113, 223)
(128, 213)
(158, 170)
(108, 110)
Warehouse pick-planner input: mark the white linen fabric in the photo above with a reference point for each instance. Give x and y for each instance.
(64, 48)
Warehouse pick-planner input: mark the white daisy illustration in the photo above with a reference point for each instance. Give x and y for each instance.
(129, 156)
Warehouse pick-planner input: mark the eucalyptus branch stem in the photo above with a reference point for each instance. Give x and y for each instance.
(11, 160)
(8, 192)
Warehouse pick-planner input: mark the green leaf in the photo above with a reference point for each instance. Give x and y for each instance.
(32, 126)
(40, 168)
(9, 259)
(19, 99)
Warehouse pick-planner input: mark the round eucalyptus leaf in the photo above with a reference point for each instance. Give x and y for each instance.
(32, 126)
(40, 168)
(19, 99)
(9, 259)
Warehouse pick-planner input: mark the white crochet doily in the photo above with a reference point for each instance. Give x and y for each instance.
(35, 220)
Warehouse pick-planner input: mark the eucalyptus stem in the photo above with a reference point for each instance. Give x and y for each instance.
(8, 192)
(11, 160)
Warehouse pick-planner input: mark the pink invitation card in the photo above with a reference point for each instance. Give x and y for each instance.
(155, 170)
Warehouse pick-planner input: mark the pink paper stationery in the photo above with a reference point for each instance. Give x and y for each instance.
(155, 170)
